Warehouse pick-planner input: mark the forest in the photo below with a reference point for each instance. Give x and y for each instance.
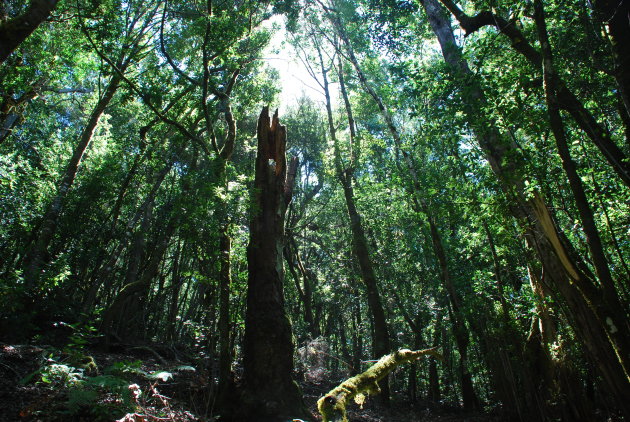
(432, 224)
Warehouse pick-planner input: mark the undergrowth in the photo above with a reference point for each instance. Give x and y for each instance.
(119, 391)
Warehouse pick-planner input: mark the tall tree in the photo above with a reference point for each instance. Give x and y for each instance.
(269, 390)
(597, 316)
(345, 174)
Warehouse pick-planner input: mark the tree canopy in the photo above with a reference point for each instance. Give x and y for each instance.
(454, 177)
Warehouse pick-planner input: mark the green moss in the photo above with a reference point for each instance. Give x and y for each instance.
(332, 406)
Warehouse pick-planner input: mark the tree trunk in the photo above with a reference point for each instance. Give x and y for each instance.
(469, 396)
(591, 233)
(105, 264)
(333, 405)
(596, 315)
(434, 394)
(380, 340)
(177, 280)
(359, 243)
(35, 258)
(11, 108)
(115, 316)
(225, 280)
(616, 15)
(14, 31)
(269, 390)
(554, 380)
(357, 337)
(304, 290)
(460, 330)
(224, 154)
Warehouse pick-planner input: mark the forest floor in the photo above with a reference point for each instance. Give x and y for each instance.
(43, 383)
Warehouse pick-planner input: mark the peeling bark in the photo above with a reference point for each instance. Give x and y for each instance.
(594, 311)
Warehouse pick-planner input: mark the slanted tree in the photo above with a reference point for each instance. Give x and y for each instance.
(14, 31)
(596, 312)
(585, 119)
(35, 258)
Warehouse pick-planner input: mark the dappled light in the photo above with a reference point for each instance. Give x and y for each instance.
(314, 210)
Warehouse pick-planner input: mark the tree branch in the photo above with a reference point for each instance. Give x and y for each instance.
(568, 101)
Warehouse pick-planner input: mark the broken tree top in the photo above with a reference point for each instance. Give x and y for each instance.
(272, 139)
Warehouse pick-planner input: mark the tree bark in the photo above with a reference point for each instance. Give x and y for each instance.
(269, 390)
(380, 340)
(115, 315)
(304, 290)
(105, 263)
(224, 154)
(359, 242)
(357, 337)
(434, 393)
(14, 31)
(177, 280)
(596, 315)
(11, 108)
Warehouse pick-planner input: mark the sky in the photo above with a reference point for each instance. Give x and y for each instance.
(295, 80)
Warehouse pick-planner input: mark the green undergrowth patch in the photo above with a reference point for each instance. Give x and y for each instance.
(86, 391)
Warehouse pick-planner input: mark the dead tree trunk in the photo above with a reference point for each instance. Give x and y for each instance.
(269, 390)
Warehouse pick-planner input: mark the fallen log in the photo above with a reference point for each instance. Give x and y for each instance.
(332, 406)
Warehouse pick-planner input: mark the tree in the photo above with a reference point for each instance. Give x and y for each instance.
(590, 306)
(15, 30)
(35, 257)
(420, 203)
(269, 390)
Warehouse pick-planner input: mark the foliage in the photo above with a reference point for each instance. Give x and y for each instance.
(134, 246)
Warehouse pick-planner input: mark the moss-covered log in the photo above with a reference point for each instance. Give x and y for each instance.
(333, 405)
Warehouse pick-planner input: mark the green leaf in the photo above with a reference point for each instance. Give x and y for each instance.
(162, 375)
